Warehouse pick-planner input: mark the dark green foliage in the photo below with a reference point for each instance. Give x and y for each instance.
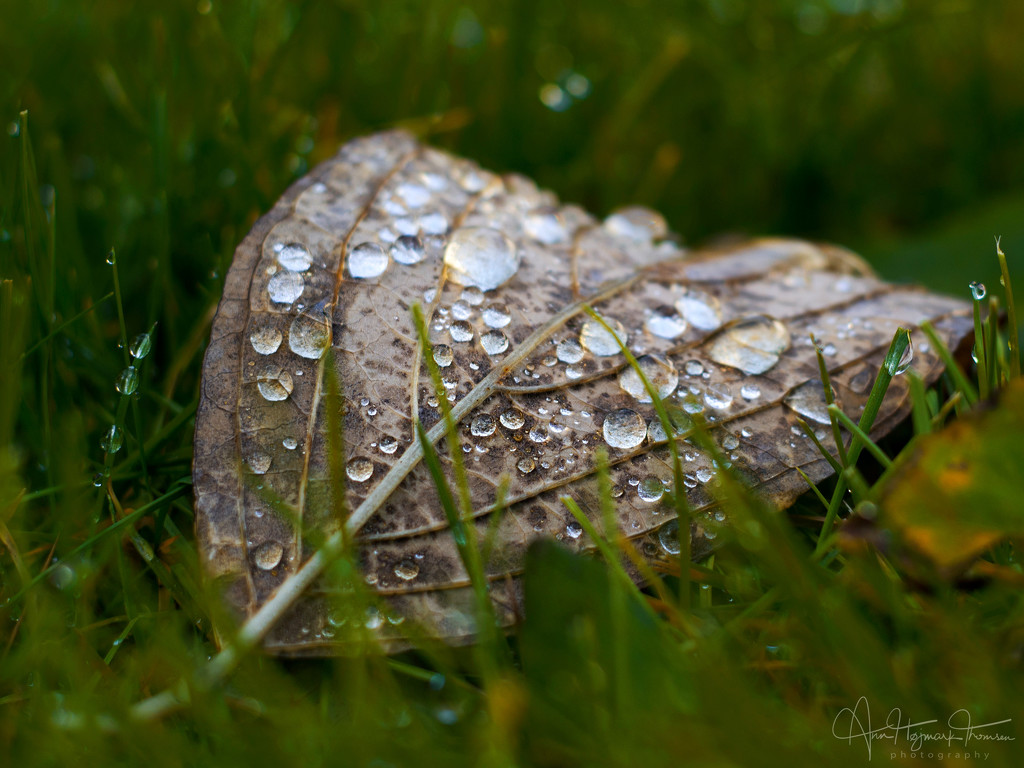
(164, 129)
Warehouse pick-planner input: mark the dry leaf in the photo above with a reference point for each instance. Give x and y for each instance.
(503, 271)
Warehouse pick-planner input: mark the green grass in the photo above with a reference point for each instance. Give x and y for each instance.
(159, 133)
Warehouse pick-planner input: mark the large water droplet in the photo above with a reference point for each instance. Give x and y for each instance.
(295, 257)
(668, 537)
(367, 260)
(545, 225)
(494, 342)
(268, 555)
(408, 249)
(526, 465)
(482, 257)
(624, 429)
(809, 401)
(275, 384)
(597, 340)
(290, 443)
(141, 346)
(569, 351)
(750, 391)
(978, 291)
(650, 489)
(443, 355)
(496, 316)
(638, 224)
(112, 440)
(905, 359)
(359, 469)
(659, 372)
(718, 396)
(310, 332)
(483, 425)
(407, 569)
(753, 345)
(128, 381)
(285, 287)
(414, 195)
(461, 331)
(388, 445)
(701, 310)
(259, 463)
(666, 323)
(512, 419)
(266, 340)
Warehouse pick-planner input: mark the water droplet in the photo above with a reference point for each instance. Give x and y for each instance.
(473, 296)
(718, 396)
(650, 489)
(359, 470)
(112, 440)
(624, 429)
(809, 401)
(545, 225)
(599, 341)
(829, 350)
(408, 249)
(414, 195)
(666, 323)
(443, 355)
(496, 316)
(659, 372)
(704, 474)
(461, 330)
(367, 260)
(753, 345)
(701, 310)
(730, 442)
(638, 224)
(290, 443)
(494, 342)
(274, 384)
(461, 310)
(433, 223)
(388, 445)
(140, 346)
(483, 425)
(268, 555)
(694, 367)
(512, 419)
(905, 359)
(128, 381)
(668, 537)
(374, 618)
(285, 287)
(310, 332)
(538, 434)
(573, 529)
(569, 351)
(295, 256)
(750, 392)
(111, 257)
(266, 340)
(526, 465)
(482, 257)
(978, 291)
(259, 463)
(407, 569)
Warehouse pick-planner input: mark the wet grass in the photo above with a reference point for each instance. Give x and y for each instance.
(152, 138)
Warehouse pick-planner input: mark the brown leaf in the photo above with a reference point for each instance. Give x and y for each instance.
(503, 271)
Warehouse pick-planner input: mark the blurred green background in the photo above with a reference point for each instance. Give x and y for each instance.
(164, 128)
(890, 126)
